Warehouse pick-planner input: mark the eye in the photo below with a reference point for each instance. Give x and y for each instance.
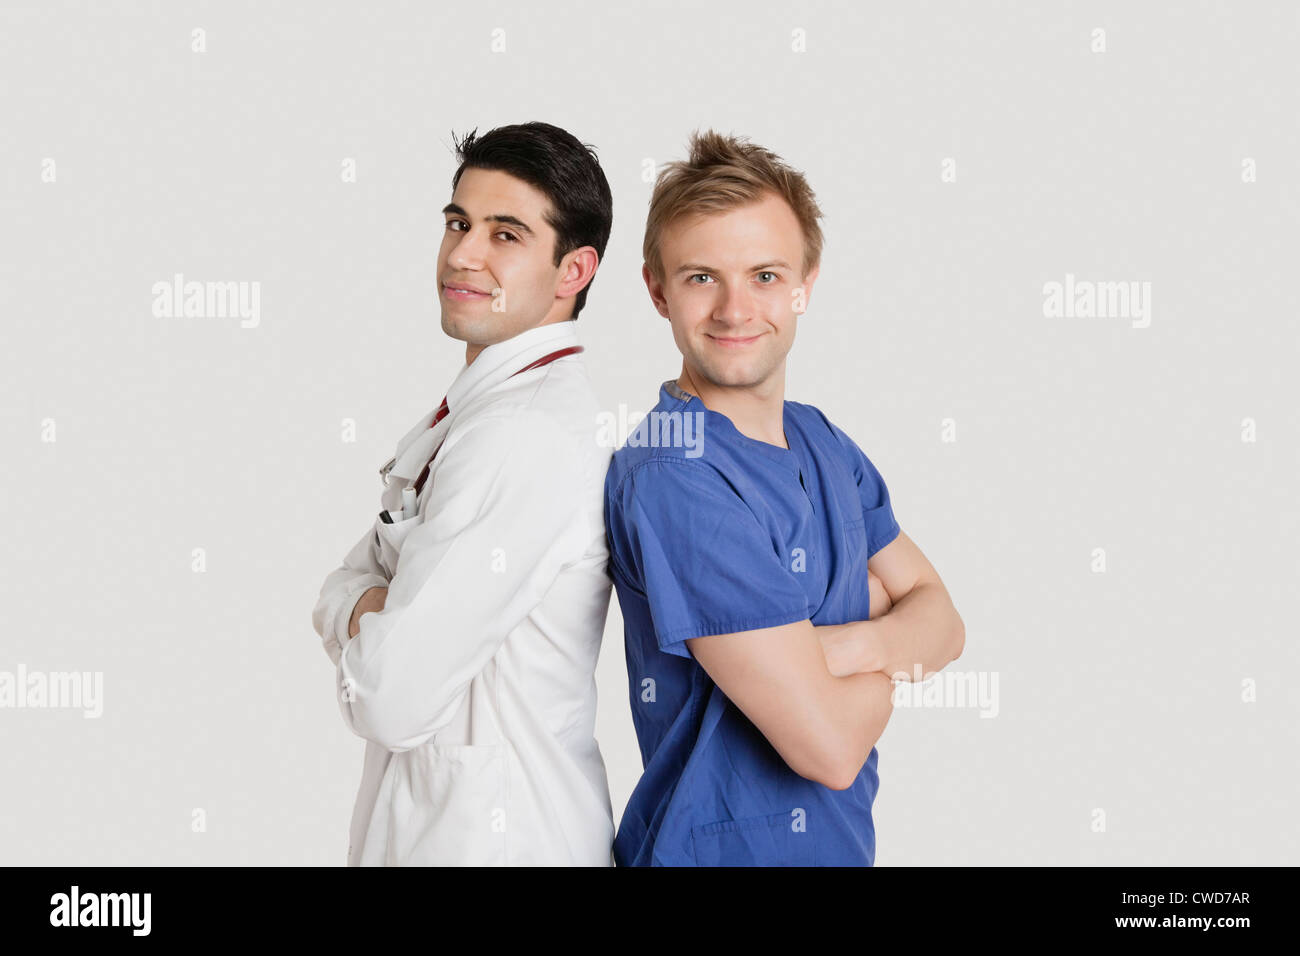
(509, 235)
(774, 276)
(456, 222)
(698, 275)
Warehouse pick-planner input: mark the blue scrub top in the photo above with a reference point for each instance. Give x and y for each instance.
(713, 533)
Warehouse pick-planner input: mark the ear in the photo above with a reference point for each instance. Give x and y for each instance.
(576, 271)
(656, 290)
(808, 281)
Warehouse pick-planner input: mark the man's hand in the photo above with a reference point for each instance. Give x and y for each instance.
(851, 648)
(372, 599)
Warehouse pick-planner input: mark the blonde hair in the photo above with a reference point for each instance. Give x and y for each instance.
(723, 172)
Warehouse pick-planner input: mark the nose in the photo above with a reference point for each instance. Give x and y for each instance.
(467, 250)
(735, 306)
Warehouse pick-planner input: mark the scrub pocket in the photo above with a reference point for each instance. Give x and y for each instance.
(855, 538)
(852, 566)
(390, 538)
(446, 806)
(770, 840)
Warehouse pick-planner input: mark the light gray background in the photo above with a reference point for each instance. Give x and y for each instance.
(1120, 691)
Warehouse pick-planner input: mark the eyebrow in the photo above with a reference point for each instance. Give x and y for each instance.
(698, 267)
(502, 217)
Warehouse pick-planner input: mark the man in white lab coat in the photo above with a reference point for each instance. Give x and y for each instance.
(465, 629)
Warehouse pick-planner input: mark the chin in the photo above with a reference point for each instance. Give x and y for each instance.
(732, 375)
(467, 329)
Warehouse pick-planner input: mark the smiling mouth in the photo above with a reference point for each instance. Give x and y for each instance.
(462, 292)
(732, 343)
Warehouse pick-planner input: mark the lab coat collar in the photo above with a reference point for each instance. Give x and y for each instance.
(500, 360)
(491, 367)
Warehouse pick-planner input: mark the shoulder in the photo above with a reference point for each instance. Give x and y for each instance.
(810, 417)
(833, 440)
(559, 411)
(669, 434)
(678, 490)
(514, 439)
(820, 429)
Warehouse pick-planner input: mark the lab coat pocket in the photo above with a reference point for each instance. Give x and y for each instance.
(391, 537)
(776, 839)
(447, 807)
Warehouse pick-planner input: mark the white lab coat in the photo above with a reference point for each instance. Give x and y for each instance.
(474, 687)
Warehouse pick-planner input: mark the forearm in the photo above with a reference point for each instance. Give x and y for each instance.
(854, 710)
(866, 704)
(919, 636)
(445, 615)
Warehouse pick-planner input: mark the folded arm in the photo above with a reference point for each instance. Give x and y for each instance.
(920, 634)
(720, 592)
(343, 586)
(823, 726)
(498, 528)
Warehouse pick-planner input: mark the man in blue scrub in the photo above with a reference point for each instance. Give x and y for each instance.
(743, 532)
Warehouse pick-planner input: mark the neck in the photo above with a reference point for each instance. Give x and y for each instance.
(757, 411)
(473, 349)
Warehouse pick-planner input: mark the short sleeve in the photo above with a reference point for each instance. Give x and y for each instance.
(680, 534)
(877, 511)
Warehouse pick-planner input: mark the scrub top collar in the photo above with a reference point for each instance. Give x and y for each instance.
(785, 457)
